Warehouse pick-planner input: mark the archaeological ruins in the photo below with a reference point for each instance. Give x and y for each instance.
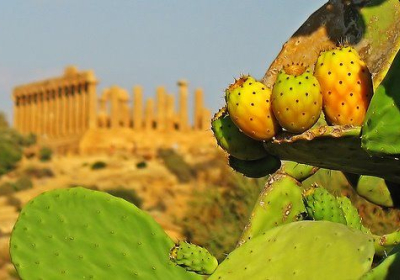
(67, 115)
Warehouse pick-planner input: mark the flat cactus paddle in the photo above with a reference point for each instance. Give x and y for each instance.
(83, 234)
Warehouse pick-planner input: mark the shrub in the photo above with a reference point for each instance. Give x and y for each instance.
(176, 165)
(45, 154)
(141, 165)
(129, 195)
(217, 215)
(10, 154)
(38, 172)
(98, 165)
(22, 183)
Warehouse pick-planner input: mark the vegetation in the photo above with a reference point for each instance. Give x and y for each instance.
(98, 165)
(218, 214)
(177, 165)
(141, 165)
(11, 145)
(129, 195)
(22, 183)
(45, 154)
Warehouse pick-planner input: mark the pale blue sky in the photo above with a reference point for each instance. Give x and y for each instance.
(145, 42)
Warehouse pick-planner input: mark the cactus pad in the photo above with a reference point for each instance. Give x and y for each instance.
(334, 147)
(193, 258)
(321, 205)
(82, 234)
(255, 168)
(279, 203)
(300, 250)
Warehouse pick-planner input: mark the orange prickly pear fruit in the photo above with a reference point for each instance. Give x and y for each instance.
(296, 98)
(346, 85)
(249, 105)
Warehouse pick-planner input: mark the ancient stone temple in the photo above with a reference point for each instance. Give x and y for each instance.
(67, 114)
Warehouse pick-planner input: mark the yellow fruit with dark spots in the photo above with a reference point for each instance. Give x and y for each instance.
(249, 105)
(346, 85)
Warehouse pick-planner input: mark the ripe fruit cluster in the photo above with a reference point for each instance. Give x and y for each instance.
(341, 86)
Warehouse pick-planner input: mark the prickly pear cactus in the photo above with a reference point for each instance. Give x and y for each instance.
(234, 142)
(82, 234)
(323, 206)
(300, 250)
(193, 258)
(279, 203)
(255, 168)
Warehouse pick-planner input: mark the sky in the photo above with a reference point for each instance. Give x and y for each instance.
(145, 42)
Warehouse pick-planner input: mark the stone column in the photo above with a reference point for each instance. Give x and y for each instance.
(149, 114)
(67, 110)
(77, 112)
(34, 113)
(45, 112)
(183, 105)
(84, 108)
(114, 110)
(57, 116)
(40, 113)
(161, 107)
(51, 114)
(206, 119)
(198, 109)
(63, 107)
(71, 112)
(170, 113)
(137, 108)
(90, 88)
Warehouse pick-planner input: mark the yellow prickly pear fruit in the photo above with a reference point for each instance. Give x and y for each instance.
(296, 98)
(249, 105)
(346, 85)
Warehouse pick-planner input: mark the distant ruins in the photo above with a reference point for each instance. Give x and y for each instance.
(67, 115)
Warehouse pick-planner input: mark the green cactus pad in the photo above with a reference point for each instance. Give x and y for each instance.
(323, 206)
(334, 147)
(300, 250)
(353, 219)
(82, 234)
(233, 141)
(381, 129)
(255, 168)
(388, 269)
(279, 203)
(375, 190)
(297, 170)
(193, 258)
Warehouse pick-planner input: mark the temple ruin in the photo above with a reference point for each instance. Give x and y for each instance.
(67, 114)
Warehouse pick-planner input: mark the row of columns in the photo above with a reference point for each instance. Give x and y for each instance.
(57, 107)
(53, 112)
(152, 114)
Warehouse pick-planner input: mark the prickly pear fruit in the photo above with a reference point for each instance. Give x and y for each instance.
(323, 206)
(233, 141)
(249, 106)
(346, 85)
(296, 99)
(300, 250)
(193, 258)
(255, 168)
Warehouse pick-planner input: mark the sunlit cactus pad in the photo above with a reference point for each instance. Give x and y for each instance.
(300, 250)
(82, 234)
(334, 147)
